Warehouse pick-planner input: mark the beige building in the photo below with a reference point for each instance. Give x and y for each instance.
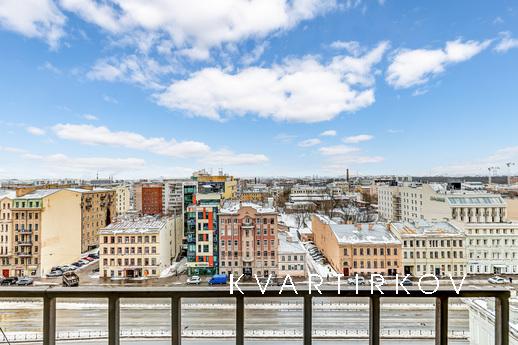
(122, 199)
(97, 211)
(134, 247)
(6, 233)
(248, 240)
(432, 248)
(362, 249)
(292, 256)
(47, 230)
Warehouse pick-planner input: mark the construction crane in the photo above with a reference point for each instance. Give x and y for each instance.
(491, 171)
(509, 165)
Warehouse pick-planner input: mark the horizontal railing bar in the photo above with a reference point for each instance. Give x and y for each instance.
(208, 292)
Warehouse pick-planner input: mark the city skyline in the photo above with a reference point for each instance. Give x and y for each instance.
(135, 90)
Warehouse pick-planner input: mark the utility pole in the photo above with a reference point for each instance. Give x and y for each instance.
(491, 171)
(509, 165)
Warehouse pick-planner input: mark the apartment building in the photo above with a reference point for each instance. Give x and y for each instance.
(202, 234)
(122, 199)
(6, 233)
(292, 256)
(47, 227)
(172, 197)
(148, 198)
(414, 201)
(437, 248)
(363, 249)
(248, 239)
(98, 209)
(135, 247)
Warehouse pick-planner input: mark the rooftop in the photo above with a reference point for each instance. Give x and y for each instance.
(425, 228)
(363, 233)
(232, 207)
(135, 225)
(289, 243)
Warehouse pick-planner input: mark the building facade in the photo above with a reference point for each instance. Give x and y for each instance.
(6, 233)
(202, 234)
(136, 247)
(292, 256)
(148, 198)
(122, 199)
(436, 248)
(363, 249)
(248, 240)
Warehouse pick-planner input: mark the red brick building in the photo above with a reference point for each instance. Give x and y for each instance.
(148, 198)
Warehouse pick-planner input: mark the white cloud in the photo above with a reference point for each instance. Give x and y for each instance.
(35, 130)
(87, 165)
(358, 138)
(90, 117)
(227, 157)
(309, 142)
(88, 134)
(10, 149)
(143, 71)
(33, 18)
(353, 47)
(92, 135)
(285, 137)
(110, 99)
(416, 67)
(301, 90)
(506, 42)
(337, 150)
(48, 66)
(395, 131)
(328, 133)
(196, 26)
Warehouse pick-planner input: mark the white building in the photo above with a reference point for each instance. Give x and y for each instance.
(432, 248)
(292, 255)
(482, 321)
(134, 247)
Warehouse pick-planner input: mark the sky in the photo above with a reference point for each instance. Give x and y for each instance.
(135, 89)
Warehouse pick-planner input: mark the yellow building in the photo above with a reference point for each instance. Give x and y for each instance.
(47, 230)
(6, 232)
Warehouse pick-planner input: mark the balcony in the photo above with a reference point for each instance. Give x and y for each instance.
(24, 243)
(24, 255)
(50, 295)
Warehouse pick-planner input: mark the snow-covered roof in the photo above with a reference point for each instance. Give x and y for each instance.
(84, 190)
(425, 228)
(232, 207)
(39, 193)
(363, 233)
(290, 244)
(6, 193)
(476, 200)
(148, 224)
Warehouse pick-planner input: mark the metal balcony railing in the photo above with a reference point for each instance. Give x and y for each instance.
(114, 295)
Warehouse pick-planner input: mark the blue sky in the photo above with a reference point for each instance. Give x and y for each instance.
(259, 88)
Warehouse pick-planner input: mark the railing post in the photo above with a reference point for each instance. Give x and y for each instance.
(49, 320)
(113, 321)
(176, 321)
(441, 321)
(374, 320)
(308, 319)
(240, 320)
(501, 321)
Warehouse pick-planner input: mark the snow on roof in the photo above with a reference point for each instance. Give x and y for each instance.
(232, 207)
(363, 233)
(425, 228)
(148, 224)
(475, 200)
(6, 193)
(39, 193)
(84, 190)
(290, 246)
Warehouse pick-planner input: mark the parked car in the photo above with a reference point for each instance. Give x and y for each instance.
(94, 256)
(78, 264)
(218, 279)
(377, 280)
(67, 268)
(89, 259)
(9, 281)
(407, 282)
(84, 261)
(352, 281)
(53, 274)
(24, 281)
(194, 280)
(498, 280)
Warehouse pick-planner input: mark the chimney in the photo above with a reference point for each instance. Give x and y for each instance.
(371, 226)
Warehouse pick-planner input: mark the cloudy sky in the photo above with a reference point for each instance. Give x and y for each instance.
(257, 87)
